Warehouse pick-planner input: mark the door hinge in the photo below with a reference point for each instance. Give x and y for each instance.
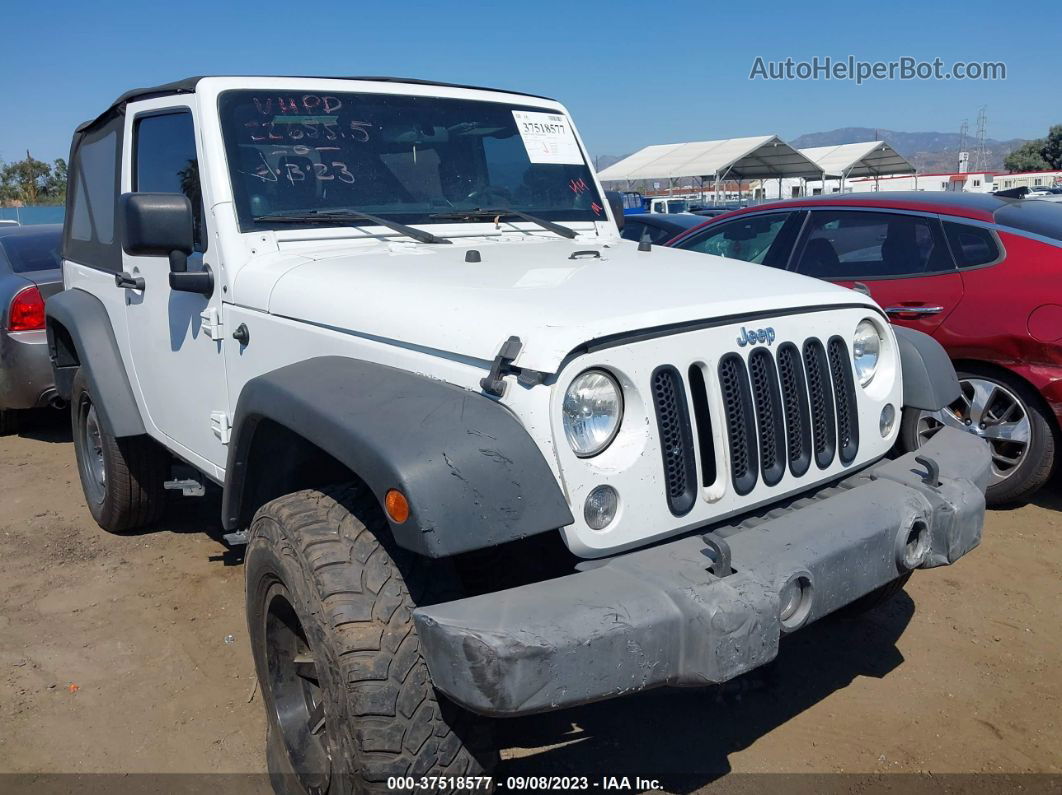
(211, 322)
(219, 424)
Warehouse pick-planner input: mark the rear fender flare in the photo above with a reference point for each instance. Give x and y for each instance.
(77, 319)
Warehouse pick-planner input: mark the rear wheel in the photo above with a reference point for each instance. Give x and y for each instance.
(1005, 412)
(329, 607)
(122, 478)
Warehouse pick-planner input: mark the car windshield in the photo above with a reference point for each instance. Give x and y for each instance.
(405, 158)
(31, 251)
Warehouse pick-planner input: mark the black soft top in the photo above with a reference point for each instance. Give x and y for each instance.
(188, 85)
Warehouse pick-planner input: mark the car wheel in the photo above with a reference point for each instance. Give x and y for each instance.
(1005, 412)
(122, 478)
(349, 702)
(8, 422)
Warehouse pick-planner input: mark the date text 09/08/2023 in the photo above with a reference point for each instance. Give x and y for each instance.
(521, 783)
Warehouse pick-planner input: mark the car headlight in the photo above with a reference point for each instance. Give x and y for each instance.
(866, 351)
(592, 411)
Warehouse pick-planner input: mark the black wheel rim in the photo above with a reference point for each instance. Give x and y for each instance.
(297, 695)
(91, 461)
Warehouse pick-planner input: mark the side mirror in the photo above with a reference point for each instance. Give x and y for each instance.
(615, 203)
(161, 225)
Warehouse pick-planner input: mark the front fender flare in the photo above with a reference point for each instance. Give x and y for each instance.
(471, 473)
(929, 380)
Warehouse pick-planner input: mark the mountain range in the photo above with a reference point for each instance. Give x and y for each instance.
(930, 152)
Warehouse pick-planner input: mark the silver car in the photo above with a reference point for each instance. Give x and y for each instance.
(29, 273)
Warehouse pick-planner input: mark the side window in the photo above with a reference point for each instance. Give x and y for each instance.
(166, 161)
(869, 245)
(89, 234)
(971, 245)
(93, 209)
(750, 239)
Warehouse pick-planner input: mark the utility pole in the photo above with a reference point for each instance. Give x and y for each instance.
(981, 153)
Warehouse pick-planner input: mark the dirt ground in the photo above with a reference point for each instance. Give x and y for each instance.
(130, 654)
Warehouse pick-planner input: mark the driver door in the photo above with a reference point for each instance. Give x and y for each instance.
(175, 345)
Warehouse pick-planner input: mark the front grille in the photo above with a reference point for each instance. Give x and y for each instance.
(781, 410)
(844, 392)
(740, 423)
(676, 439)
(768, 403)
(823, 421)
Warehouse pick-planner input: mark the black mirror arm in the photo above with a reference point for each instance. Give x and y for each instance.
(178, 261)
(201, 282)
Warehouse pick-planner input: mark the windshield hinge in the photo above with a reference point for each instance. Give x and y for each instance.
(494, 384)
(211, 322)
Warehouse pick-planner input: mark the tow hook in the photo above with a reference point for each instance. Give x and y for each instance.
(932, 476)
(719, 552)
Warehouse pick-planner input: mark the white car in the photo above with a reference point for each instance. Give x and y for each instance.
(487, 457)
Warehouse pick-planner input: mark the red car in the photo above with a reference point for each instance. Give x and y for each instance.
(981, 274)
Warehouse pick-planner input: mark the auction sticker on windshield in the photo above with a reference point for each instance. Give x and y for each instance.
(548, 138)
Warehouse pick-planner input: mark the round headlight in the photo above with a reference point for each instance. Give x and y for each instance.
(592, 410)
(866, 350)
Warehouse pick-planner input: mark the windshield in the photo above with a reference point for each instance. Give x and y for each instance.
(404, 158)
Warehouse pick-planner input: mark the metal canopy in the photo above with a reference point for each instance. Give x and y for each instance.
(735, 158)
(867, 159)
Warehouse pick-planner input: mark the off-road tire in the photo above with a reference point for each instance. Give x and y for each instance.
(133, 495)
(8, 422)
(328, 555)
(875, 598)
(1035, 470)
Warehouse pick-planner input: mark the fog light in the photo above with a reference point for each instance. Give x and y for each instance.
(888, 418)
(915, 546)
(795, 601)
(601, 506)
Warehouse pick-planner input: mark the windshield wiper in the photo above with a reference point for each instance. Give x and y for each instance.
(332, 216)
(504, 212)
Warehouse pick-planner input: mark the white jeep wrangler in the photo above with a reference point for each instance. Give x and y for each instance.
(488, 459)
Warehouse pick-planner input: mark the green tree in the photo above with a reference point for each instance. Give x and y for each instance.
(1026, 157)
(1041, 154)
(31, 181)
(1051, 151)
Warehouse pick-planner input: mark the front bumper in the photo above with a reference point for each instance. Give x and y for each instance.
(659, 617)
(26, 379)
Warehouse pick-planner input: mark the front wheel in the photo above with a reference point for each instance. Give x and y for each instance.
(1006, 413)
(348, 698)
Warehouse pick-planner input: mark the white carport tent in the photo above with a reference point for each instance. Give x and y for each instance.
(759, 157)
(866, 159)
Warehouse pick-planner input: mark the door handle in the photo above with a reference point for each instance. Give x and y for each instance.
(127, 282)
(914, 310)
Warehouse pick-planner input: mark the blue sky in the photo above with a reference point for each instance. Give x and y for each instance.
(632, 74)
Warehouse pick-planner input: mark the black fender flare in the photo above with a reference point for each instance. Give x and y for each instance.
(929, 380)
(88, 329)
(472, 475)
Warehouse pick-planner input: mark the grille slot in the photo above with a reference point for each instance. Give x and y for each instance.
(740, 422)
(795, 403)
(845, 397)
(823, 419)
(676, 439)
(703, 418)
(768, 403)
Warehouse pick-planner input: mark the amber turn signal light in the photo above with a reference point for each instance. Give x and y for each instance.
(397, 506)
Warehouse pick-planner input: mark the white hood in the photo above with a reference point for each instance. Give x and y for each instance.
(430, 297)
